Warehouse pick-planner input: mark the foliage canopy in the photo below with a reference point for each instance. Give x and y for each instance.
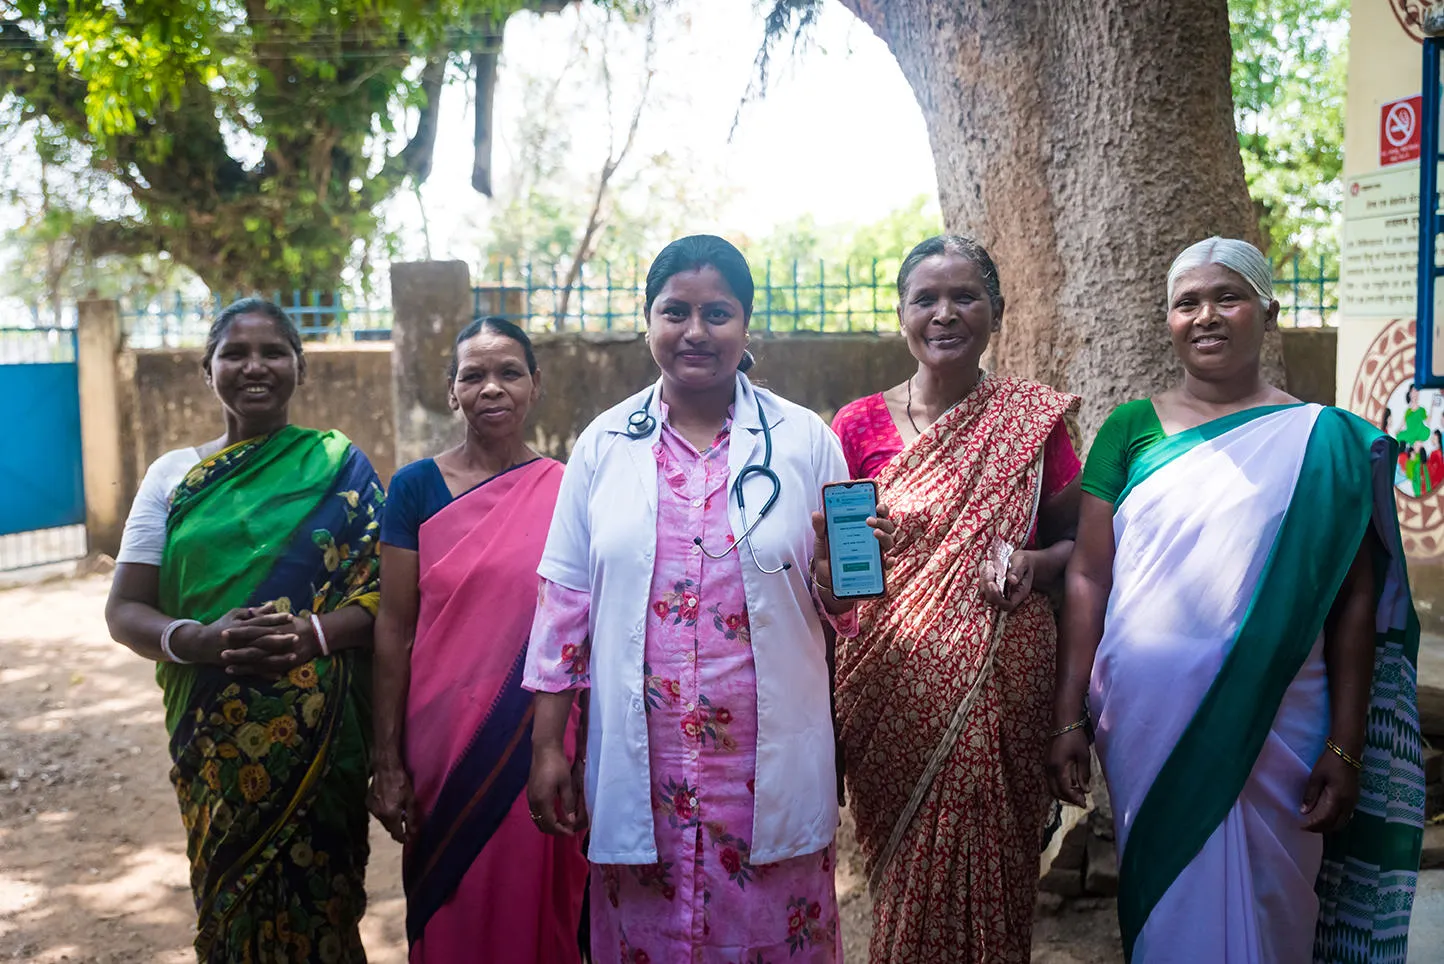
(253, 139)
(1289, 60)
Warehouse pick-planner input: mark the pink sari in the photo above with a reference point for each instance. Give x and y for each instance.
(482, 883)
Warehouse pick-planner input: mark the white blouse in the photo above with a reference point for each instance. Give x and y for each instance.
(143, 540)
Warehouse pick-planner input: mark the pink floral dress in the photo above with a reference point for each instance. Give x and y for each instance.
(704, 900)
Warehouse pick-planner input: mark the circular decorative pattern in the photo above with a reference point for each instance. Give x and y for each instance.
(1387, 366)
(1410, 14)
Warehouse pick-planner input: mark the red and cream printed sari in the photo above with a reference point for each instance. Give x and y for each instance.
(956, 879)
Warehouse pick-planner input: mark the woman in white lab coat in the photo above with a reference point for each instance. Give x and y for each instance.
(709, 770)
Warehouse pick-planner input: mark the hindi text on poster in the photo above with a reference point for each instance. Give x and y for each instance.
(1377, 274)
(1380, 193)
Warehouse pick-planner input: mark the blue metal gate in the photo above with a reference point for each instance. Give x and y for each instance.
(42, 506)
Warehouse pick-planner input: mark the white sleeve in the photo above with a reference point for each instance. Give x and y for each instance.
(143, 540)
(566, 560)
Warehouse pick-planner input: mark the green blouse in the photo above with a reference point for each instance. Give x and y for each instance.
(1130, 431)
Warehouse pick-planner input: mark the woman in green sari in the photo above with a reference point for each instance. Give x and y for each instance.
(1239, 636)
(248, 572)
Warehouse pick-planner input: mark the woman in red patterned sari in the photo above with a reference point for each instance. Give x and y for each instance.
(943, 698)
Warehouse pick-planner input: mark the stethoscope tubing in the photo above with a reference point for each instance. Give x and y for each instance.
(642, 423)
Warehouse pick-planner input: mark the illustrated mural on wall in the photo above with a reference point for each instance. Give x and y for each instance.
(1384, 393)
(1410, 15)
(1412, 417)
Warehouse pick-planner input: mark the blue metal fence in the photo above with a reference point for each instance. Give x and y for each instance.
(1308, 295)
(176, 321)
(806, 296)
(793, 296)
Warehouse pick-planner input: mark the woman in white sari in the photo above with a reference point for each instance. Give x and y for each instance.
(1238, 619)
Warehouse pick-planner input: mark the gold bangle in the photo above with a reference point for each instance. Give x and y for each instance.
(1075, 725)
(812, 574)
(1351, 761)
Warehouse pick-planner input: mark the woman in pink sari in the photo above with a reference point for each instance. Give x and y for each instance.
(460, 541)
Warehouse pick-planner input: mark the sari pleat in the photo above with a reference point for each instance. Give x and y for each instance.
(962, 882)
(271, 776)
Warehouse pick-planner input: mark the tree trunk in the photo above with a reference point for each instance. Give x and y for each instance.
(1084, 143)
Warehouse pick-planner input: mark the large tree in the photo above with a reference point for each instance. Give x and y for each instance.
(1085, 142)
(255, 138)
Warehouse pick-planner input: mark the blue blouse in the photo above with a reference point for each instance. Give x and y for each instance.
(416, 493)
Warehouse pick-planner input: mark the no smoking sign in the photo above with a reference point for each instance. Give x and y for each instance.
(1399, 130)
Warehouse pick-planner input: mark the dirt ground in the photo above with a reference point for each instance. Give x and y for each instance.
(92, 855)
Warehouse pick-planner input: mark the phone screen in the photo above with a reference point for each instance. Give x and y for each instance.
(853, 550)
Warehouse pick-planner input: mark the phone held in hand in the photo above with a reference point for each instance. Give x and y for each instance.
(1000, 554)
(852, 547)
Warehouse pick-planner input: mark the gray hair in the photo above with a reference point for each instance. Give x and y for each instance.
(1240, 257)
(963, 247)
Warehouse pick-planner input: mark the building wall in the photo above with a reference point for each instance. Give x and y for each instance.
(168, 405)
(582, 375)
(1376, 340)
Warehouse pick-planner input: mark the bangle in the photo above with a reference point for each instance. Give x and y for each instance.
(168, 632)
(818, 583)
(1351, 761)
(1075, 725)
(320, 634)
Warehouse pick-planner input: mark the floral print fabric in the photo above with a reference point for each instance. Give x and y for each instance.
(271, 775)
(961, 887)
(704, 900)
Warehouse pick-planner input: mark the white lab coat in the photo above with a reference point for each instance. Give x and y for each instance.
(603, 541)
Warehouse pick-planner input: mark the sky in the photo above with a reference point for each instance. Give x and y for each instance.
(839, 134)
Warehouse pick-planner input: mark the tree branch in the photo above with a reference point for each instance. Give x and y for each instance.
(126, 237)
(415, 158)
(614, 160)
(786, 18)
(484, 63)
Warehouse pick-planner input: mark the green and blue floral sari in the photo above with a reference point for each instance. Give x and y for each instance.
(271, 776)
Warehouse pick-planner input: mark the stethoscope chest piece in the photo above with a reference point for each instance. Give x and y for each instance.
(642, 422)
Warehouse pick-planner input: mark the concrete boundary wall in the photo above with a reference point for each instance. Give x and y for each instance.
(390, 398)
(583, 374)
(167, 405)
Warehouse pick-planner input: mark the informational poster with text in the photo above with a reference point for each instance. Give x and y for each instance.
(1377, 276)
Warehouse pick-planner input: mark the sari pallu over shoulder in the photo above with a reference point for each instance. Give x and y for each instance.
(1330, 488)
(970, 477)
(271, 776)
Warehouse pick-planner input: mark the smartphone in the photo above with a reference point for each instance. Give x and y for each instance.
(852, 548)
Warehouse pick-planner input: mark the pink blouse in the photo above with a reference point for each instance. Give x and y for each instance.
(870, 440)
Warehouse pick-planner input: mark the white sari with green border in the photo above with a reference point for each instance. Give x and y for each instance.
(1211, 703)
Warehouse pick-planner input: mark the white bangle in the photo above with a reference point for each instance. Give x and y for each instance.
(320, 634)
(170, 631)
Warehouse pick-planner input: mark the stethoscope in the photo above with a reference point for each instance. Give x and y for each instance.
(642, 423)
